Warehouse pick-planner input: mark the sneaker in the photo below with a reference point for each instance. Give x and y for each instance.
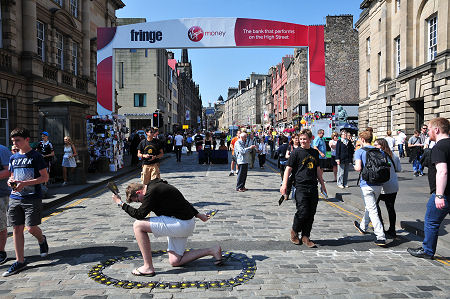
(419, 252)
(346, 186)
(420, 174)
(3, 257)
(416, 174)
(65, 184)
(231, 174)
(361, 231)
(380, 243)
(340, 186)
(43, 248)
(15, 268)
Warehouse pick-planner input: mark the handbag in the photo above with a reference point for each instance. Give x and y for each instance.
(184, 150)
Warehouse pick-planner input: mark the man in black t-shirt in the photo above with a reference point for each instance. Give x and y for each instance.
(45, 148)
(438, 206)
(150, 151)
(175, 219)
(304, 163)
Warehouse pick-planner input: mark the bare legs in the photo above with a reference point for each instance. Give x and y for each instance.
(72, 170)
(192, 255)
(142, 228)
(19, 240)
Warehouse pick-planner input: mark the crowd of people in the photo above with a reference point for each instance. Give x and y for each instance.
(301, 158)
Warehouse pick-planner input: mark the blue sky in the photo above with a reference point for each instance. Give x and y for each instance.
(217, 69)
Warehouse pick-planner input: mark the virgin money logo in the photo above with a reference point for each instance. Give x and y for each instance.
(195, 34)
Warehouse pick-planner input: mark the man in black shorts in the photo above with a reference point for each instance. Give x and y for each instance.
(28, 170)
(175, 219)
(304, 163)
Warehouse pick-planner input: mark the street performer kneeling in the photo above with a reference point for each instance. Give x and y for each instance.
(175, 220)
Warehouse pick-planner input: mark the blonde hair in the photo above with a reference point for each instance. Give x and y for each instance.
(334, 134)
(131, 191)
(69, 140)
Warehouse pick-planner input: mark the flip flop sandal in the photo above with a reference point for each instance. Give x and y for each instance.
(223, 260)
(136, 272)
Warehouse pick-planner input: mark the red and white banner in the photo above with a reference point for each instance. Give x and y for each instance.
(209, 33)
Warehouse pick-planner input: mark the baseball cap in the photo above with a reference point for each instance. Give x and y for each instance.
(44, 133)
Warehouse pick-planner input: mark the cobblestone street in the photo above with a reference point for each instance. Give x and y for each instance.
(91, 229)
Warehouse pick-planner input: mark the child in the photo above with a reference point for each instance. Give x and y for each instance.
(28, 170)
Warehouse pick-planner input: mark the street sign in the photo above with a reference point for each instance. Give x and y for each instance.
(209, 111)
(185, 127)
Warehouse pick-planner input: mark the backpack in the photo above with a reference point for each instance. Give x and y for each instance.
(377, 167)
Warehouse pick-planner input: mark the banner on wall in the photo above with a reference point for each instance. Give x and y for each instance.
(210, 33)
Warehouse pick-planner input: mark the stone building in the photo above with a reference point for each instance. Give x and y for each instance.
(48, 66)
(279, 92)
(190, 101)
(404, 63)
(244, 104)
(341, 73)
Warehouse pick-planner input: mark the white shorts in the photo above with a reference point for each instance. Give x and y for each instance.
(176, 230)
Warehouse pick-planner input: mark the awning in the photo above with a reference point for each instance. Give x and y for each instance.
(60, 99)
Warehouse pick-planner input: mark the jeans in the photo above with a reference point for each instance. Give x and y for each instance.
(370, 195)
(433, 219)
(178, 152)
(389, 200)
(306, 200)
(417, 167)
(342, 175)
(401, 153)
(242, 176)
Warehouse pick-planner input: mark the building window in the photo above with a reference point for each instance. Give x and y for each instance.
(4, 127)
(432, 38)
(397, 56)
(60, 50)
(380, 67)
(1, 30)
(368, 45)
(368, 82)
(59, 2)
(140, 100)
(74, 8)
(120, 74)
(75, 58)
(40, 40)
(397, 5)
(379, 25)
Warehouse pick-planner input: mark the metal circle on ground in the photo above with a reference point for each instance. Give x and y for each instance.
(247, 273)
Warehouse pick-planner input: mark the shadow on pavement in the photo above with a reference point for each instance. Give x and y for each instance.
(417, 227)
(202, 204)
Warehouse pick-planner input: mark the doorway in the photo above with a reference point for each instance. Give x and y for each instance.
(419, 114)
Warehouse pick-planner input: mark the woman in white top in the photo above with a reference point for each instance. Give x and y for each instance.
(390, 188)
(69, 158)
(262, 151)
(332, 143)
